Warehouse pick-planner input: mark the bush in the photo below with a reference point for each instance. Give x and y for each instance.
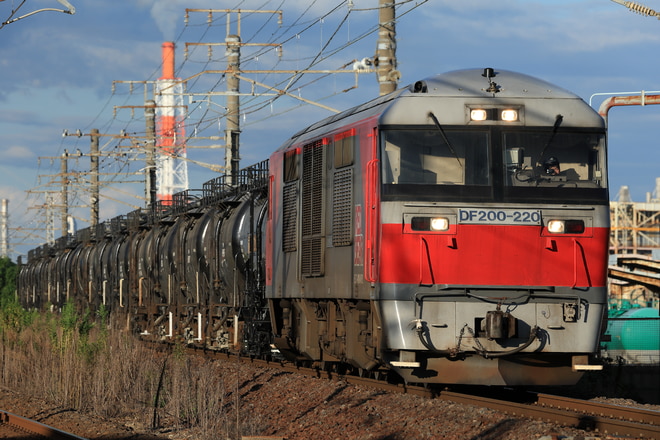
(8, 274)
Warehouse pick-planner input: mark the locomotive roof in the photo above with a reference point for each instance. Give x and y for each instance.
(468, 85)
(475, 82)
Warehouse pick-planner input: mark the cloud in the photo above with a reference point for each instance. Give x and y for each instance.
(13, 116)
(552, 26)
(18, 152)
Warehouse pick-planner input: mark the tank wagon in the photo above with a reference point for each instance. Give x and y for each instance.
(453, 231)
(632, 336)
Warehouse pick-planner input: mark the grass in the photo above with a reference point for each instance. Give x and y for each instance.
(82, 361)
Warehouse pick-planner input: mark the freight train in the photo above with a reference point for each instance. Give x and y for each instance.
(454, 231)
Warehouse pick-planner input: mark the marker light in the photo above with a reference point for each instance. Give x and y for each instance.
(565, 226)
(478, 114)
(509, 115)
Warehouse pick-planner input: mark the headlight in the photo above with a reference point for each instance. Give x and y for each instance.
(565, 226)
(495, 114)
(509, 115)
(429, 224)
(478, 114)
(439, 224)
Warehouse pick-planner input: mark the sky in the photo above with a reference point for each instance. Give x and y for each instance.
(95, 68)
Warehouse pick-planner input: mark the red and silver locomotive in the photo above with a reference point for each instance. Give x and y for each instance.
(455, 231)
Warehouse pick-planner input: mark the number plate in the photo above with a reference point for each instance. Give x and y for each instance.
(499, 216)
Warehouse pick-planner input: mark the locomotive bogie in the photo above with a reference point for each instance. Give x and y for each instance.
(328, 331)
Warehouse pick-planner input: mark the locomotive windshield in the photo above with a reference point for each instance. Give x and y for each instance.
(530, 160)
(491, 164)
(426, 157)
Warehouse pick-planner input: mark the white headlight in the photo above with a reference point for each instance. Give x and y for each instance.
(556, 226)
(478, 114)
(439, 224)
(509, 115)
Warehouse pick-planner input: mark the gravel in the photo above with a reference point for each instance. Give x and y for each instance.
(267, 402)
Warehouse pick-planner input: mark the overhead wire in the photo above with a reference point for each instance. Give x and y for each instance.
(292, 80)
(316, 59)
(286, 34)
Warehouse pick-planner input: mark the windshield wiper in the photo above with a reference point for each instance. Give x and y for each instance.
(444, 137)
(558, 121)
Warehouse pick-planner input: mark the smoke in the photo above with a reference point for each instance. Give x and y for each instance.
(165, 13)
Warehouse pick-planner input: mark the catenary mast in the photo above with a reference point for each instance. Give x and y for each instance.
(4, 228)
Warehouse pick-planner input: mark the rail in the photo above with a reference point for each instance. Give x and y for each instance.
(34, 428)
(581, 414)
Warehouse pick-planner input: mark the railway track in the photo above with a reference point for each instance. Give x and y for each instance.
(590, 416)
(16, 427)
(597, 417)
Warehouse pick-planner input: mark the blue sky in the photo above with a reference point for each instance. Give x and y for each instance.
(57, 72)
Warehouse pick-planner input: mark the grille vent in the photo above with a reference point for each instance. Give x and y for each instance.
(312, 210)
(342, 202)
(289, 218)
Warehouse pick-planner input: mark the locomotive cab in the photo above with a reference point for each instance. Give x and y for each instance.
(503, 279)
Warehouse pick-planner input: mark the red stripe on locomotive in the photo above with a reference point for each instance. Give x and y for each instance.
(492, 255)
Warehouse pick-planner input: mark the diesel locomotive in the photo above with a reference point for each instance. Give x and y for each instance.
(453, 231)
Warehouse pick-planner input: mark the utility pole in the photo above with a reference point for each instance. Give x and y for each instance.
(50, 218)
(385, 61)
(233, 130)
(4, 229)
(94, 177)
(58, 201)
(150, 190)
(64, 194)
(234, 74)
(233, 53)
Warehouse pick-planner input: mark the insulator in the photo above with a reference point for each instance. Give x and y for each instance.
(640, 9)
